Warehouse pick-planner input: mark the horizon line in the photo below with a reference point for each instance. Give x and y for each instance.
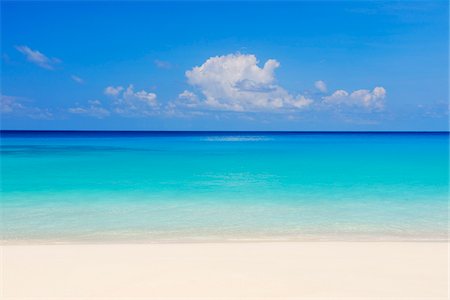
(228, 131)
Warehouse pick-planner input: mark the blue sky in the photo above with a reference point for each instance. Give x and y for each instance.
(359, 65)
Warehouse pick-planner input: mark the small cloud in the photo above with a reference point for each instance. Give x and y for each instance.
(132, 103)
(162, 64)
(146, 97)
(189, 99)
(93, 109)
(38, 58)
(113, 91)
(301, 101)
(10, 104)
(17, 106)
(77, 79)
(370, 100)
(439, 109)
(321, 86)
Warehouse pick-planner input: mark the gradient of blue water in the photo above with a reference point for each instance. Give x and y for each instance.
(151, 187)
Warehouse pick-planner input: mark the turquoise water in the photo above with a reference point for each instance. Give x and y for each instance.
(164, 187)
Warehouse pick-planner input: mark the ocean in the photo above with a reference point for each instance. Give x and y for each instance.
(144, 187)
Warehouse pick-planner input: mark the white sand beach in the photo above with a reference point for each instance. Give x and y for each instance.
(295, 270)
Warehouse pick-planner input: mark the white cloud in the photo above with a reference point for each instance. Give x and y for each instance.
(94, 109)
(10, 104)
(321, 86)
(131, 96)
(301, 101)
(125, 102)
(129, 102)
(113, 91)
(189, 99)
(16, 106)
(235, 82)
(77, 79)
(370, 100)
(38, 58)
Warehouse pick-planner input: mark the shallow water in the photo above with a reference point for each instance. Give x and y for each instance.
(162, 186)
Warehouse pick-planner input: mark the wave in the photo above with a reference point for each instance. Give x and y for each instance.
(236, 139)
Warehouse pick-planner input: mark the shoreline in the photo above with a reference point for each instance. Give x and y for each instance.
(272, 270)
(203, 242)
(227, 240)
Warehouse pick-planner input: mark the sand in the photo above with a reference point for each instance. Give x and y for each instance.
(308, 270)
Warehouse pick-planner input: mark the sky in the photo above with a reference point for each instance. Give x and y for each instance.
(209, 65)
